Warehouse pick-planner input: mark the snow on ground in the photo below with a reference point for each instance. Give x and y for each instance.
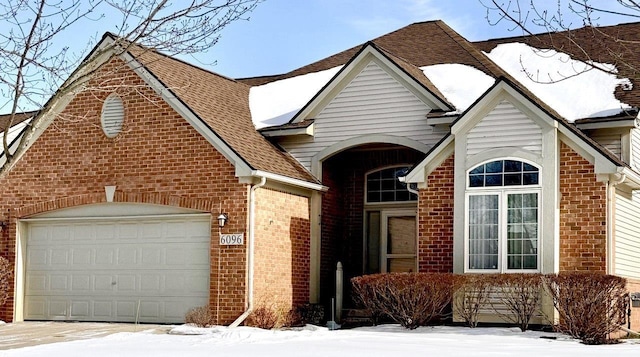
(277, 102)
(459, 83)
(573, 88)
(387, 340)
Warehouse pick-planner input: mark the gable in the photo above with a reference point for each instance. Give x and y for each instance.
(373, 103)
(503, 127)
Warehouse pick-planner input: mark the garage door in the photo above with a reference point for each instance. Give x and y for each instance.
(144, 268)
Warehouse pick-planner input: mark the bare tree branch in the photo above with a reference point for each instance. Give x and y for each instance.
(37, 69)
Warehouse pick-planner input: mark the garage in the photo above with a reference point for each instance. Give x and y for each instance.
(95, 263)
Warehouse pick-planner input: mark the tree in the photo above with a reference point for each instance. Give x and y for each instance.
(573, 27)
(36, 69)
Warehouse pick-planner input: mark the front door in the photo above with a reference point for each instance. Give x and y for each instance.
(398, 241)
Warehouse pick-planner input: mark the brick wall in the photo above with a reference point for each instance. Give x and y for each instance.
(158, 158)
(282, 249)
(634, 287)
(435, 220)
(583, 236)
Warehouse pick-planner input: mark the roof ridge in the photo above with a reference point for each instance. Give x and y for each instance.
(485, 61)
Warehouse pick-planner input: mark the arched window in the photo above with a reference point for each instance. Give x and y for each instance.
(503, 216)
(384, 186)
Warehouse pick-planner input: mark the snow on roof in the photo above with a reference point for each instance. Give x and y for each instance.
(277, 102)
(13, 133)
(459, 83)
(573, 88)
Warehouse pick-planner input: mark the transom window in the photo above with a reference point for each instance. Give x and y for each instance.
(503, 216)
(384, 186)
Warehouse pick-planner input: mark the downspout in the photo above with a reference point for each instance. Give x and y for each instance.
(252, 222)
(611, 191)
(403, 179)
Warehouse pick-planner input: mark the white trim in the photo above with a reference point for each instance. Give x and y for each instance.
(317, 159)
(382, 168)
(289, 180)
(308, 131)
(436, 157)
(503, 193)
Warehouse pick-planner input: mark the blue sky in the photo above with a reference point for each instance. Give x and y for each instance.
(282, 35)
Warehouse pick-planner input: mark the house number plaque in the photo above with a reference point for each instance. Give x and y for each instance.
(232, 239)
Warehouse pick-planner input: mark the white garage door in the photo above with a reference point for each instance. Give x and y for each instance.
(145, 268)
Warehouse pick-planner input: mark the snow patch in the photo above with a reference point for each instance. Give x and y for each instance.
(459, 83)
(277, 102)
(573, 88)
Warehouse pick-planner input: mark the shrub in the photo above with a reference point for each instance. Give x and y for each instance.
(311, 314)
(200, 316)
(410, 299)
(590, 306)
(472, 294)
(520, 295)
(5, 279)
(270, 315)
(263, 317)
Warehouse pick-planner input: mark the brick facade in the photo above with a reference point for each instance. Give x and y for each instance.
(435, 220)
(583, 220)
(282, 249)
(158, 158)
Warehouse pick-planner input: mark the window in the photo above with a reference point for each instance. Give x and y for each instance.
(384, 186)
(503, 216)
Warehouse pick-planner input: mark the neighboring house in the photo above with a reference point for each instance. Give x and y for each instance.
(418, 151)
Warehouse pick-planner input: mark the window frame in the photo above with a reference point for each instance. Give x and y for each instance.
(503, 193)
(385, 203)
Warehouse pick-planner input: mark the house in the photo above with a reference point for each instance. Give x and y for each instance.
(417, 151)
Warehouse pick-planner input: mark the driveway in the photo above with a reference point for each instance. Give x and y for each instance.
(31, 333)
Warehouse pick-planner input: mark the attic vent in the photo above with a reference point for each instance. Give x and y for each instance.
(112, 116)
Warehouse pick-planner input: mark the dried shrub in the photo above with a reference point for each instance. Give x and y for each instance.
(273, 314)
(590, 306)
(6, 274)
(471, 296)
(264, 317)
(200, 317)
(311, 314)
(520, 295)
(410, 299)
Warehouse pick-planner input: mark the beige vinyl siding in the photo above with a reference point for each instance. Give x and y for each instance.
(610, 141)
(635, 148)
(627, 235)
(372, 103)
(505, 126)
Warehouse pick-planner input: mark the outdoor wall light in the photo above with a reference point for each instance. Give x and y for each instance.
(222, 219)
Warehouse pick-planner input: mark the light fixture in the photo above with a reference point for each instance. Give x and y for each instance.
(222, 219)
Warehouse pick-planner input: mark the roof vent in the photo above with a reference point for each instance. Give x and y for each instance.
(112, 116)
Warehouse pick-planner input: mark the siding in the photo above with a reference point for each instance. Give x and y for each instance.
(635, 148)
(611, 142)
(627, 235)
(505, 126)
(372, 103)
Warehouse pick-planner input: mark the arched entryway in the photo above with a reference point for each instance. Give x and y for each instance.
(368, 216)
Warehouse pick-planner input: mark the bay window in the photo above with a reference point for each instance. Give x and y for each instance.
(503, 217)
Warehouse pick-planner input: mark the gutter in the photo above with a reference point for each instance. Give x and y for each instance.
(250, 252)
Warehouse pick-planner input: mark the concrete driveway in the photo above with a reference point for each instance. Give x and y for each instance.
(31, 333)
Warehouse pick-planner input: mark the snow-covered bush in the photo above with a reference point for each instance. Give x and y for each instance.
(410, 299)
(5, 279)
(590, 306)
